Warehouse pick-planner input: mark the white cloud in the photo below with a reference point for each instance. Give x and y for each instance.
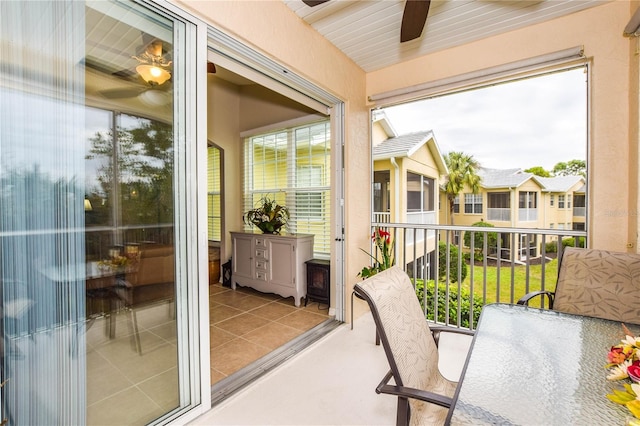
(534, 122)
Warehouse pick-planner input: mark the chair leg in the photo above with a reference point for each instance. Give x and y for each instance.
(402, 416)
(135, 333)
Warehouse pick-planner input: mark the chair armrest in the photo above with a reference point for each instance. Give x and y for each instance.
(524, 300)
(407, 392)
(436, 330)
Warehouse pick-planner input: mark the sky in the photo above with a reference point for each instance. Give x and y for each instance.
(534, 122)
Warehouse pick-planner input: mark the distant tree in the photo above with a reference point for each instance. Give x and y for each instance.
(571, 168)
(538, 171)
(462, 171)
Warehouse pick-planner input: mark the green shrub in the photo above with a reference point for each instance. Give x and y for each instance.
(465, 304)
(478, 239)
(453, 263)
(552, 247)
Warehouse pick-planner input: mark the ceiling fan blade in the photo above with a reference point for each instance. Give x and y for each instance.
(120, 93)
(312, 3)
(413, 19)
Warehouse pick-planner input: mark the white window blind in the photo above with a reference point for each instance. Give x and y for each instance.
(214, 211)
(292, 166)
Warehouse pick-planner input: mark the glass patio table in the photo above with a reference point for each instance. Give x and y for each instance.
(531, 366)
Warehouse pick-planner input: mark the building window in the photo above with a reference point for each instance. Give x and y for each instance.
(381, 192)
(456, 204)
(569, 201)
(292, 167)
(527, 200)
(473, 203)
(551, 226)
(561, 201)
(498, 206)
(420, 193)
(551, 200)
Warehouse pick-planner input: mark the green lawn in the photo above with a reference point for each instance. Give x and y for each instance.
(519, 281)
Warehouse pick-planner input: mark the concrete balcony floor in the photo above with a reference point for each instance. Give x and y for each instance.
(332, 382)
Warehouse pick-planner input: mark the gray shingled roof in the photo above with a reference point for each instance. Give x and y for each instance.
(503, 178)
(559, 183)
(401, 146)
(512, 178)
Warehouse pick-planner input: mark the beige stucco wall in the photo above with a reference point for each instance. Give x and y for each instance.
(613, 149)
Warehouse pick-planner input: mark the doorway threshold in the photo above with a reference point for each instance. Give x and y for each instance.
(247, 375)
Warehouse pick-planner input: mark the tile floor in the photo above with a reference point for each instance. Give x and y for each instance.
(245, 325)
(124, 386)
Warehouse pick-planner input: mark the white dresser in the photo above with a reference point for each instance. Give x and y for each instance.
(272, 263)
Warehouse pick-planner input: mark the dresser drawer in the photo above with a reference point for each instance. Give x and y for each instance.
(261, 275)
(260, 242)
(261, 265)
(262, 254)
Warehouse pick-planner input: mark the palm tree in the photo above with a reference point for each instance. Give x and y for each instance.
(462, 171)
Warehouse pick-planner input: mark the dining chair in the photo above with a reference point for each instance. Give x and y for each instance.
(597, 283)
(150, 282)
(411, 346)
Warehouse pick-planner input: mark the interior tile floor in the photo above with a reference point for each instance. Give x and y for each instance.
(246, 325)
(127, 387)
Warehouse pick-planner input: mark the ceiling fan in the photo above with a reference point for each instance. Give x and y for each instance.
(153, 68)
(414, 17)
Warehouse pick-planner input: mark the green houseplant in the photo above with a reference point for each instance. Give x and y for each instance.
(269, 216)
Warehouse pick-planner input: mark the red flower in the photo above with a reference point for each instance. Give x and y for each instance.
(634, 371)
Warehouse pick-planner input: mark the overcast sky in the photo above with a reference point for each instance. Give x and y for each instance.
(535, 122)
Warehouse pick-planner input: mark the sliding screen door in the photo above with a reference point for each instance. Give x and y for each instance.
(96, 291)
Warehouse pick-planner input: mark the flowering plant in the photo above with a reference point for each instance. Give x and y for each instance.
(382, 240)
(269, 217)
(624, 362)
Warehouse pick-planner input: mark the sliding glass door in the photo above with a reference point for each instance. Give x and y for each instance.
(98, 245)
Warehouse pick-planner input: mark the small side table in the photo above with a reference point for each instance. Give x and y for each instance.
(318, 280)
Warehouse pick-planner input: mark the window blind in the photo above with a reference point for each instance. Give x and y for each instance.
(292, 167)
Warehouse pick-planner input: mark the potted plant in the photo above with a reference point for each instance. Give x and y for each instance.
(269, 216)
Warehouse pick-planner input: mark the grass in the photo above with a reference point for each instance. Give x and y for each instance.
(507, 292)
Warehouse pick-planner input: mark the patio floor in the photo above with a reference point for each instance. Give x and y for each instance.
(332, 382)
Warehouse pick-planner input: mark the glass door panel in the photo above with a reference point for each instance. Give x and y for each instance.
(91, 244)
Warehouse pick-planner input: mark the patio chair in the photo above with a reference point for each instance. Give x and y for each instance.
(424, 394)
(596, 283)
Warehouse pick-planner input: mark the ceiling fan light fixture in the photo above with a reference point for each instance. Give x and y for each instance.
(153, 74)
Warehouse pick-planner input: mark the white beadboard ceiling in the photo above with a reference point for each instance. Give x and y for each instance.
(368, 31)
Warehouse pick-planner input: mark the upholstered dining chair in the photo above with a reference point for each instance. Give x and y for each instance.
(411, 346)
(597, 283)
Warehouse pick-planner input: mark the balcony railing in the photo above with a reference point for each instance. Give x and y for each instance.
(580, 211)
(527, 262)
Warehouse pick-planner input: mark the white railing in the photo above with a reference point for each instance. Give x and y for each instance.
(381, 217)
(420, 218)
(489, 277)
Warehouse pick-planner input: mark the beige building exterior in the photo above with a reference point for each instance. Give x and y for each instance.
(512, 198)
